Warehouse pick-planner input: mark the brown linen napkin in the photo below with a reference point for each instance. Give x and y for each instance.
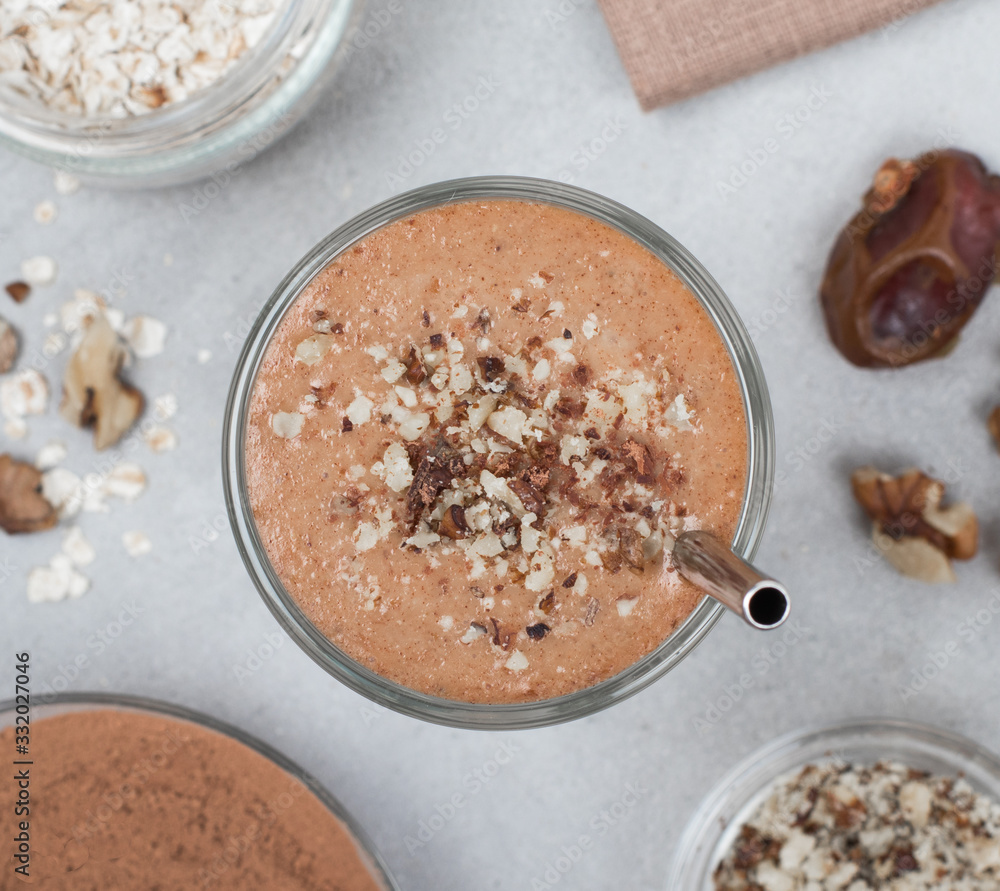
(673, 49)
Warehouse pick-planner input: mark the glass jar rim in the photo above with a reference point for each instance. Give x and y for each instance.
(742, 789)
(224, 115)
(456, 713)
(55, 704)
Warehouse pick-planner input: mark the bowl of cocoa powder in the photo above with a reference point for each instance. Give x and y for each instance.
(113, 791)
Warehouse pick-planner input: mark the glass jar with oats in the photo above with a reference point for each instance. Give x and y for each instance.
(462, 437)
(164, 91)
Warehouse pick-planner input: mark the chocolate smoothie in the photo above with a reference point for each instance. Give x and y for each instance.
(122, 800)
(473, 439)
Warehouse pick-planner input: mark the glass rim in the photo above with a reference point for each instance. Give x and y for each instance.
(505, 716)
(735, 795)
(212, 121)
(69, 702)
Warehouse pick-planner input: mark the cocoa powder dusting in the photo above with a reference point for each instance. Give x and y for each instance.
(125, 800)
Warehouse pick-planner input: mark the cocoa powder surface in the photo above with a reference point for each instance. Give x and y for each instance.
(123, 800)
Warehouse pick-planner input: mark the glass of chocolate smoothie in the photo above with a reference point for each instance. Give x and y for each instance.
(127, 792)
(463, 435)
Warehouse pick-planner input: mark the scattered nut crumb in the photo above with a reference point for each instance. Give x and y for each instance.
(19, 291)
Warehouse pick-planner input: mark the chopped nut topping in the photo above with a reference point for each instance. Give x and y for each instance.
(523, 462)
(917, 535)
(453, 523)
(415, 371)
(287, 424)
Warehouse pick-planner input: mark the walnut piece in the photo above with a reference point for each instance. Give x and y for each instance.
(93, 393)
(918, 537)
(22, 507)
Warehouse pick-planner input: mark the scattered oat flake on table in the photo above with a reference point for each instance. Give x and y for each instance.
(51, 454)
(66, 183)
(39, 270)
(145, 335)
(21, 394)
(165, 406)
(55, 582)
(64, 490)
(55, 342)
(75, 546)
(126, 481)
(204, 357)
(136, 543)
(160, 439)
(45, 212)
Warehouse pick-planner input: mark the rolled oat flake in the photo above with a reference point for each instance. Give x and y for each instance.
(119, 58)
